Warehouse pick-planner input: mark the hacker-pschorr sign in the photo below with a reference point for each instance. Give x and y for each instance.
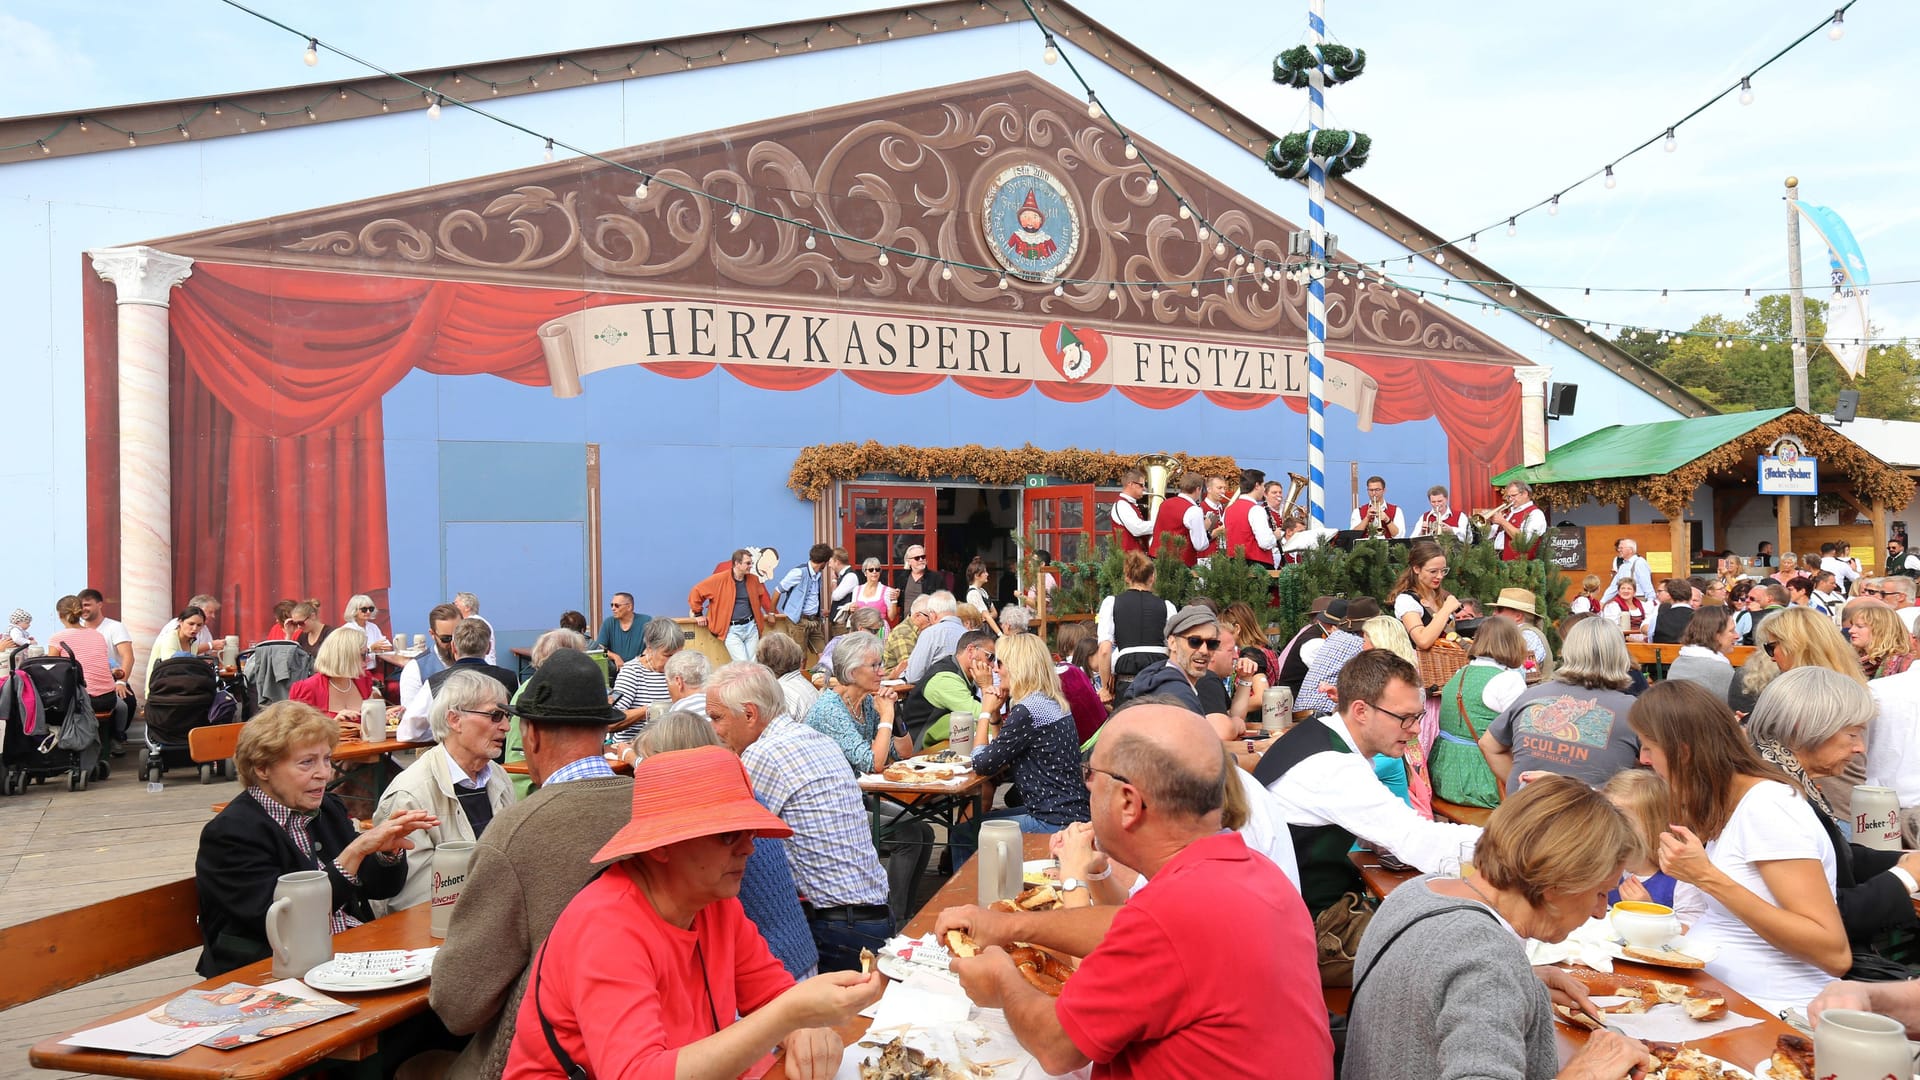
(1785, 469)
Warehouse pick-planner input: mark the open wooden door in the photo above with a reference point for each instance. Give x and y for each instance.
(1059, 520)
(882, 521)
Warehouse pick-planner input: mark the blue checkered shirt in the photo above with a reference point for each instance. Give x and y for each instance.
(591, 767)
(802, 776)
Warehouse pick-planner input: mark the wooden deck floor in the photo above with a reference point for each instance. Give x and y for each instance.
(61, 850)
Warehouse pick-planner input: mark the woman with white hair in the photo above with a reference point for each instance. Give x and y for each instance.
(339, 682)
(857, 713)
(1574, 723)
(359, 615)
(455, 779)
(643, 679)
(1809, 722)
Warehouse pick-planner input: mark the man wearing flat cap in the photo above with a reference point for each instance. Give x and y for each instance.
(655, 970)
(1193, 633)
(531, 861)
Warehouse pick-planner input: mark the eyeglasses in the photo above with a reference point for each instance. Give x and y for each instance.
(296, 623)
(497, 716)
(916, 558)
(1770, 647)
(369, 610)
(1196, 642)
(729, 839)
(871, 569)
(1407, 721)
(444, 639)
(1882, 593)
(1087, 771)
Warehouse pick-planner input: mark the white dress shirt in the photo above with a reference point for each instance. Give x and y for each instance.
(1334, 788)
(1261, 524)
(1195, 520)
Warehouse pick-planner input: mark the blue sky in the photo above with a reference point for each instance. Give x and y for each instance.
(1475, 110)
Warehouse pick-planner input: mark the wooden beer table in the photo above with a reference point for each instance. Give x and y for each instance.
(1745, 1047)
(352, 1037)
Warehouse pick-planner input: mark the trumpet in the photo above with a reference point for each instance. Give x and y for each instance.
(1484, 520)
(1376, 520)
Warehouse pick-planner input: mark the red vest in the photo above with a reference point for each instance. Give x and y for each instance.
(1240, 537)
(1519, 516)
(1451, 521)
(1173, 510)
(1126, 540)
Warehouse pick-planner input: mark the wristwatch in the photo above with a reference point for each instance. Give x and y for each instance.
(1070, 884)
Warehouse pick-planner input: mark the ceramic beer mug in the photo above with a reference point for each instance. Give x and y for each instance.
(1854, 1045)
(300, 923)
(1876, 817)
(1001, 859)
(449, 878)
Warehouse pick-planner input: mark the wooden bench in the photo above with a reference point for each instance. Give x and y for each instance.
(1465, 815)
(1659, 657)
(59, 952)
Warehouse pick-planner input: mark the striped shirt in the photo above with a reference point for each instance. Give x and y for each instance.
(802, 776)
(638, 686)
(89, 647)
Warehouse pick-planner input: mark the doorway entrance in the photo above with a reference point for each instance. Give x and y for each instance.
(957, 522)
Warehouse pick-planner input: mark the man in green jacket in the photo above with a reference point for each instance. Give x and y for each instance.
(953, 685)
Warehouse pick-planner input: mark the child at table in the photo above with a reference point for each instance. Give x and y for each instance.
(1643, 797)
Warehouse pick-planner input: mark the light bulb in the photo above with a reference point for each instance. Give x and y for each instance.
(733, 219)
(1133, 152)
(183, 131)
(548, 152)
(642, 190)
(1473, 242)
(1837, 31)
(1154, 293)
(1184, 212)
(1153, 186)
(1220, 250)
(1093, 107)
(1668, 145)
(1051, 54)
(1663, 296)
(1440, 258)
(312, 55)
(1512, 291)
(1513, 226)
(946, 271)
(883, 255)
(1195, 291)
(1553, 207)
(1113, 293)
(1003, 283)
(1200, 234)
(1746, 91)
(1611, 183)
(309, 112)
(811, 242)
(131, 141)
(1060, 289)
(263, 119)
(42, 144)
(433, 110)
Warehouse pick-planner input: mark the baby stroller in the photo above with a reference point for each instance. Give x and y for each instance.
(49, 695)
(184, 693)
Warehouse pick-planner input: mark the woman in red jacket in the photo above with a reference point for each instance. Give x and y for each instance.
(339, 682)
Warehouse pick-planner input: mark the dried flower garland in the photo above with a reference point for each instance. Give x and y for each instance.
(1874, 481)
(817, 467)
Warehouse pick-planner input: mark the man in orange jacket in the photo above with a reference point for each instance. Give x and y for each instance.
(735, 605)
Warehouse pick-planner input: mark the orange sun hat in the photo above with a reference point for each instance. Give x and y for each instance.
(686, 794)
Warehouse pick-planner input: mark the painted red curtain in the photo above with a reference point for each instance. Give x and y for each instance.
(279, 464)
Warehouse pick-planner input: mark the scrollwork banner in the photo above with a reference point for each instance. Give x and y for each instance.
(785, 349)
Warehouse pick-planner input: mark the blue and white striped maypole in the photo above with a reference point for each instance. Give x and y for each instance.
(1316, 274)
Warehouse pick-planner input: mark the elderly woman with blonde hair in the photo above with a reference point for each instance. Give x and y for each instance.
(455, 780)
(285, 820)
(1440, 948)
(339, 682)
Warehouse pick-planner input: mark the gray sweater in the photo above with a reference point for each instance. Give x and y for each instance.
(1453, 999)
(1715, 675)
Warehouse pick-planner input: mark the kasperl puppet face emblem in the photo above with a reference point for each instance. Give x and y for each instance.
(1030, 223)
(1074, 352)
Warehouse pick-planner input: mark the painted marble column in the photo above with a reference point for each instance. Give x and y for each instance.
(144, 279)
(1533, 413)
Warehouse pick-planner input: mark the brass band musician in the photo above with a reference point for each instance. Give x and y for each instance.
(1379, 517)
(1442, 518)
(1519, 525)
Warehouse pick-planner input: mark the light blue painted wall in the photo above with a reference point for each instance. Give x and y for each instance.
(53, 210)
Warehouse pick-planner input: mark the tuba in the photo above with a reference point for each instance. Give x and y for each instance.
(1161, 470)
(1296, 486)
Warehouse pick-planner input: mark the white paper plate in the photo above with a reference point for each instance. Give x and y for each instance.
(323, 978)
(1702, 951)
(1036, 871)
(1764, 1071)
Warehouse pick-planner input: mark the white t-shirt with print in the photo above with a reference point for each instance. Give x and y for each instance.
(1771, 823)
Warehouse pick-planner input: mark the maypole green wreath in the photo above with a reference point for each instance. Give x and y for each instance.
(1344, 152)
(1292, 68)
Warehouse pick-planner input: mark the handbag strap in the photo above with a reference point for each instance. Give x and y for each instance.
(1410, 924)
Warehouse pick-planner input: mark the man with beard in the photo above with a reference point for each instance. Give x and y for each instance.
(441, 620)
(1193, 633)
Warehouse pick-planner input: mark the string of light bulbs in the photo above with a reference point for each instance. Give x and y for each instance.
(1269, 269)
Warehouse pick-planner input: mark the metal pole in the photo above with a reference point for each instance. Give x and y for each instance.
(1316, 275)
(1802, 397)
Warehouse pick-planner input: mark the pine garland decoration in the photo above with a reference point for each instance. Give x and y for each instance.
(1294, 67)
(1344, 152)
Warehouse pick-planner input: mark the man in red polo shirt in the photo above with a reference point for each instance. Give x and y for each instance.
(1209, 970)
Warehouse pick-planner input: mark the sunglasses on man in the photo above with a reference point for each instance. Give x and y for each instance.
(1198, 643)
